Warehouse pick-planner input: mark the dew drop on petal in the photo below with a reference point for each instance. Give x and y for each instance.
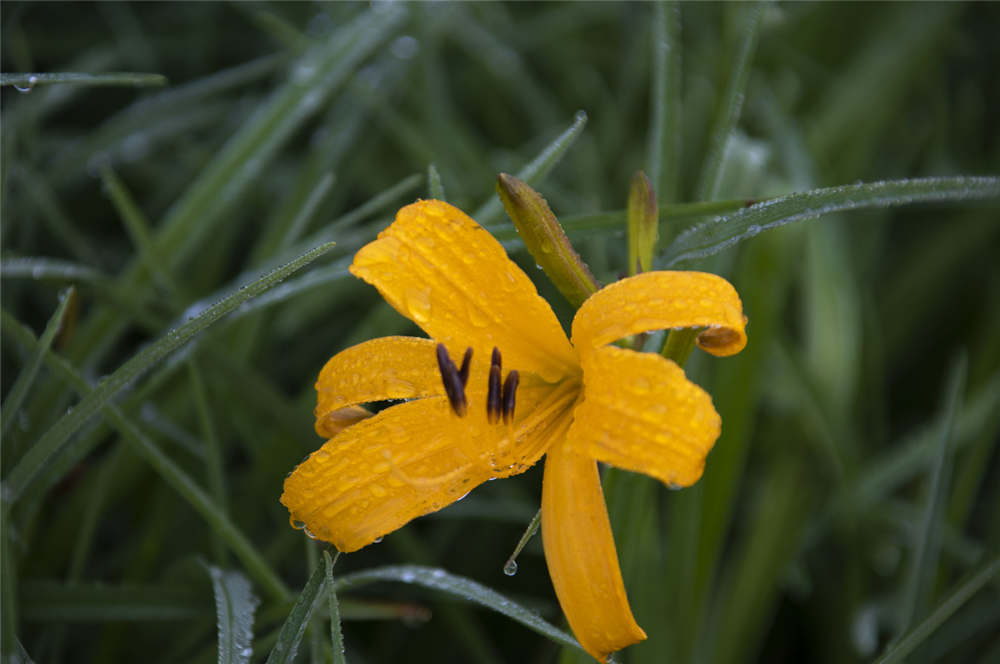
(419, 305)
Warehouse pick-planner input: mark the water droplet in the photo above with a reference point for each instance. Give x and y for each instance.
(753, 229)
(510, 569)
(297, 525)
(420, 305)
(377, 540)
(246, 652)
(309, 533)
(673, 486)
(25, 89)
(407, 577)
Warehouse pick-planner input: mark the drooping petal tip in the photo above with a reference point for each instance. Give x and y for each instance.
(663, 301)
(581, 557)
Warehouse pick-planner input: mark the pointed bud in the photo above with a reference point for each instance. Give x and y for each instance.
(643, 224)
(545, 239)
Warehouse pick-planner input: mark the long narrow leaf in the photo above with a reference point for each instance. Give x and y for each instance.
(49, 601)
(12, 404)
(298, 619)
(722, 232)
(53, 440)
(173, 474)
(29, 80)
(537, 168)
(730, 105)
(235, 605)
(923, 570)
(336, 637)
(942, 612)
(461, 587)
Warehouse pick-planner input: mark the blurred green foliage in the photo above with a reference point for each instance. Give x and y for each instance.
(849, 510)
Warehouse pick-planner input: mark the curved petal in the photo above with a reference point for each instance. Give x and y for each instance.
(415, 458)
(580, 553)
(641, 413)
(379, 369)
(442, 270)
(334, 421)
(660, 301)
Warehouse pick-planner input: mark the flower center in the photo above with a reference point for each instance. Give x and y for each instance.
(500, 395)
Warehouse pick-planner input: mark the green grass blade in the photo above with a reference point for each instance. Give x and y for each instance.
(614, 220)
(537, 168)
(137, 226)
(12, 404)
(164, 115)
(61, 226)
(715, 235)
(172, 474)
(308, 209)
(298, 619)
(48, 602)
(313, 79)
(730, 105)
(25, 82)
(898, 651)
(923, 570)
(11, 609)
(336, 637)
(235, 605)
(460, 587)
(40, 267)
(434, 186)
(663, 161)
(53, 440)
(870, 91)
(214, 467)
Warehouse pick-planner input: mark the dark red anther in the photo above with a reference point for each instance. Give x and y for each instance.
(454, 386)
(509, 390)
(463, 373)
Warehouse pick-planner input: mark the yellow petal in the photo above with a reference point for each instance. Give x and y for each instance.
(641, 413)
(580, 553)
(446, 273)
(335, 421)
(415, 458)
(664, 300)
(376, 370)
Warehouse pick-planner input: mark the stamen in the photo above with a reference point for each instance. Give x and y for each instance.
(454, 387)
(463, 373)
(494, 396)
(509, 390)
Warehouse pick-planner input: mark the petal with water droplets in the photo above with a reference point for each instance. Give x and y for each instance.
(660, 301)
(581, 557)
(641, 413)
(446, 273)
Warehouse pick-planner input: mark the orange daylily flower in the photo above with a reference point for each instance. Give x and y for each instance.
(576, 402)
